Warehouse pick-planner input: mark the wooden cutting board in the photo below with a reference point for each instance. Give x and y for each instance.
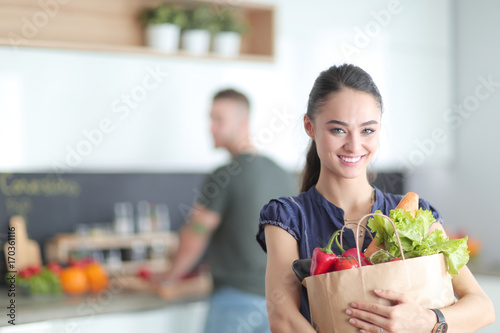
(196, 286)
(27, 252)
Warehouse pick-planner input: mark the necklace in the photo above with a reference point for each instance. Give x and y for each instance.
(347, 221)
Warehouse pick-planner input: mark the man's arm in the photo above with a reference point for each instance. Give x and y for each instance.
(194, 238)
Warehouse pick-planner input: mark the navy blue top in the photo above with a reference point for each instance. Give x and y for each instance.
(311, 219)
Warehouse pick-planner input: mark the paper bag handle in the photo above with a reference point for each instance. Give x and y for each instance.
(357, 234)
(362, 226)
(342, 231)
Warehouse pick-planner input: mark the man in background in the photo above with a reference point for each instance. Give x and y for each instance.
(225, 222)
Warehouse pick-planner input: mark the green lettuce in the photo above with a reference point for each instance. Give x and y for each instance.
(415, 241)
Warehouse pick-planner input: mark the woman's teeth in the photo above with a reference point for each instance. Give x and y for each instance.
(350, 159)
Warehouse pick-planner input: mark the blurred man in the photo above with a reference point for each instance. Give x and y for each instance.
(225, 221)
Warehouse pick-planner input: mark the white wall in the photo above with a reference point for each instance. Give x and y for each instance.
(466, 193)
(51, 98)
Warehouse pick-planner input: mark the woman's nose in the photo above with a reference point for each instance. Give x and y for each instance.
(353, 143)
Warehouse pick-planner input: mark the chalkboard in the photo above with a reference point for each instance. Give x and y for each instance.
(53, 204)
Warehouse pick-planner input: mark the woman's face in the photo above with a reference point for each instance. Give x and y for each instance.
(346, 130)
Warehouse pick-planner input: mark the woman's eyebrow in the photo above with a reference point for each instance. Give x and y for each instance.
(337, 122)
(366, 123)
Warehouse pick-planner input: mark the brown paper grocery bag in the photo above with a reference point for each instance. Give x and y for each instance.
(425, 279)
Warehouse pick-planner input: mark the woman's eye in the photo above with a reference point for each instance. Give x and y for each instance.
(368, 131)
(337, 130)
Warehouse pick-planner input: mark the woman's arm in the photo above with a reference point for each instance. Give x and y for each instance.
(474, 308)
(283, 289)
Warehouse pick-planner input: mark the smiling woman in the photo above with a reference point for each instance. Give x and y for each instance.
(323, 103)
(345, 146)
(343, 120)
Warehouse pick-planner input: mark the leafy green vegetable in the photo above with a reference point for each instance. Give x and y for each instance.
(44, 283)
(415, 242)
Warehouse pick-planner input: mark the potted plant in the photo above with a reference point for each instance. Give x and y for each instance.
(197, 33)
(163, 26)
(227, 34)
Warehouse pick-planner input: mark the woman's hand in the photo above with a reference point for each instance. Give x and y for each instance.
(404, 316)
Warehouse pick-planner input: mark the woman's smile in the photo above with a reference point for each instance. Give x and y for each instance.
(351, 160)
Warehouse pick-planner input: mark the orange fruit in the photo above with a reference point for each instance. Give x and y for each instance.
(74, 280)
(474, 245)
(96, 276)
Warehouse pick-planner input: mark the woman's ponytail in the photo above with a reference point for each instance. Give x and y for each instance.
(310, 175)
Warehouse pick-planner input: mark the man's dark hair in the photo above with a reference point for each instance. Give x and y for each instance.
(234, 95)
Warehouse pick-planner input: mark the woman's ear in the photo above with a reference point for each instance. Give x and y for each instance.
(308, 126)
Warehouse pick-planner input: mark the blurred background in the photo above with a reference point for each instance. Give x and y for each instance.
(98, 116)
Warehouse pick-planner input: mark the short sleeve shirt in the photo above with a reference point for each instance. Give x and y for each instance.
(237, 191)
(311, 219)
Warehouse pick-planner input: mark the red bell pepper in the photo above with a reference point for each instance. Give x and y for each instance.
(345, 263)
(323, 258)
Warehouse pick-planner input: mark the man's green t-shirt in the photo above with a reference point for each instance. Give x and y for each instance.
(238, 191)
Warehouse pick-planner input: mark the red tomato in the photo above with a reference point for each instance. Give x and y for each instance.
(353, 253)
(366, 262)
(54, 267)
(25, 273)
(35, 270)
(345, 263)
(145, 273)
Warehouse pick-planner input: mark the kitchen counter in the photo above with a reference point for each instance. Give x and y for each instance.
(63, 313)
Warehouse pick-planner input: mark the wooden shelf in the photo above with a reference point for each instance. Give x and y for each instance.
(139, 50)
(60, 247)
(113, 26)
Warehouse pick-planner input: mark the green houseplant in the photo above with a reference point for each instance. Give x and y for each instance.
(197, 32)
(228, 30)
(163, 26)
(229, 21)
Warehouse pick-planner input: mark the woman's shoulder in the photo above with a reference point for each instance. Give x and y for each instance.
(286, 213)
(283, 207)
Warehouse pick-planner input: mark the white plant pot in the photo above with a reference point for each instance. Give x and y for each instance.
(196, 41)
(227, 43)
(164, 37)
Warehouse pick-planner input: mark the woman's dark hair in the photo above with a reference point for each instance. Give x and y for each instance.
(332, 80)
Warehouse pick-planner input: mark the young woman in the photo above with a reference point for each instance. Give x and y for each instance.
(343, 120)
